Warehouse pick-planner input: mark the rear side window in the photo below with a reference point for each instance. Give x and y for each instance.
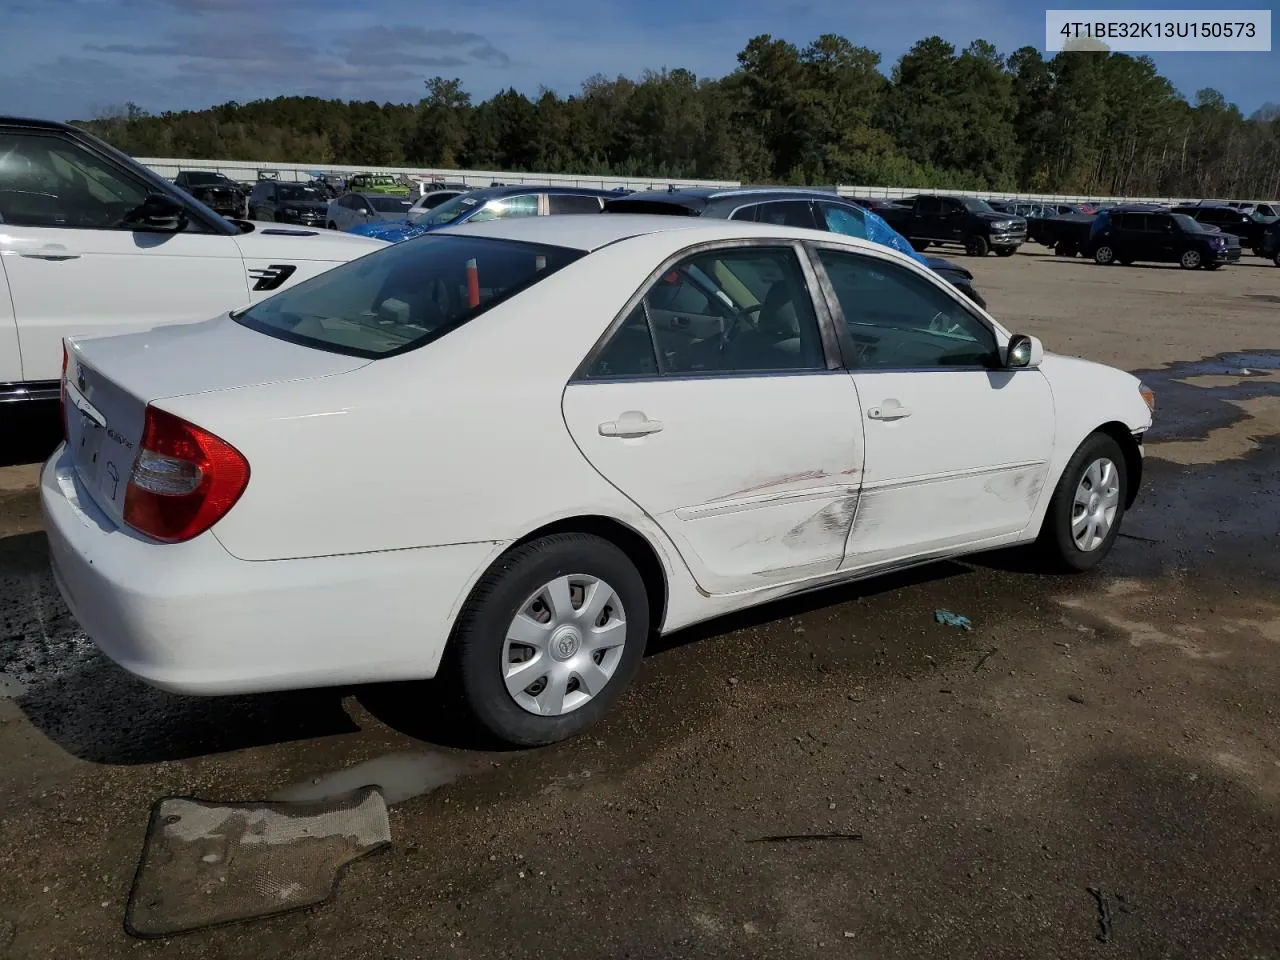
(406, 295)
(573, 203)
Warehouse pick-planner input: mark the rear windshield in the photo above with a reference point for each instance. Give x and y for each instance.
(390, 204)
(404, 296)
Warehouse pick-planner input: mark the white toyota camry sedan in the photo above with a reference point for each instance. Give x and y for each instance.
(510, 452)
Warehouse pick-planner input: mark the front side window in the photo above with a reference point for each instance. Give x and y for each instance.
(929, 205)
(51, 182)
(900, 321)
(505, 208)
(405, 295)
(845, 220)
(736, 310)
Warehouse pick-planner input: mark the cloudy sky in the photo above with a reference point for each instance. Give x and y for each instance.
(68, 59)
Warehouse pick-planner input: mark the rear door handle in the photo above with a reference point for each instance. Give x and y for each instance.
(633, 423)
(888, 410)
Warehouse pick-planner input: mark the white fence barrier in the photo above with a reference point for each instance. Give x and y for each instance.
(249, 170)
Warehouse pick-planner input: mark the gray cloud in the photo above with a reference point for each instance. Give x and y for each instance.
(215, 46)
(418, 46)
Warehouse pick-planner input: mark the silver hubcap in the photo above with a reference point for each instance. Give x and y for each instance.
(1093, 511)
(1104, 254)
(1191, 259)
(564, 645)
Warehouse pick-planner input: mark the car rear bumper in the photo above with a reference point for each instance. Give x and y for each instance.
(192, 619)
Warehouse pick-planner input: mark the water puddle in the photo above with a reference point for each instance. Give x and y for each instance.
(398, 777)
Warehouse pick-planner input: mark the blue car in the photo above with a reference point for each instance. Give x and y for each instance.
(492, 203)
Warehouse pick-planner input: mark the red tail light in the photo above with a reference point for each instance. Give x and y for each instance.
(184, 479)
(62, 394)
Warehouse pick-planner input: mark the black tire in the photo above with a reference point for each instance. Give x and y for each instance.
(1276, 259)
(919, 245)
(1055, 544)
(1006, 251)
(1104, 255)
(1190, 260)
(976, 246)
(476, 649)
(331, 225)
(1212, 266)
(1064, 249)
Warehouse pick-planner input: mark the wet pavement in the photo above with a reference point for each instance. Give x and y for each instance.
(962, 792)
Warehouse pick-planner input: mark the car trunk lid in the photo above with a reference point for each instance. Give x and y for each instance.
(111, 380)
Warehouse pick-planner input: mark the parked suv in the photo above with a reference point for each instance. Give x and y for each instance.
(94, 243)
(217, 191)
(288, 203)
(1163, 237)
(811, 209)
(1228, 220)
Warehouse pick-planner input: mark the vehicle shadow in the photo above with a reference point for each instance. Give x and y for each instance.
(97, 712)
(31, 432)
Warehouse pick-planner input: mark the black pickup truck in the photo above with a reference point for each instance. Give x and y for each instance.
(965, 221)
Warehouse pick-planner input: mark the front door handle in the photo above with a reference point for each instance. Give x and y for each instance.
(633, 423)
(51, 251)
(888, 410)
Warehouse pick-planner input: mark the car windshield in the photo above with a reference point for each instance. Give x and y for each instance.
(1188, 224)
(974, 205)
(404, 296)
(390, 204)
(203, 179)
(288, 191)
(451, 210)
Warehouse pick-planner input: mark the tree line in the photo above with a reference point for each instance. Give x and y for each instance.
(1089, 123)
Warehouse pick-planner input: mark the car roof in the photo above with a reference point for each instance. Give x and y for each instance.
(591, 231)
(695, 198)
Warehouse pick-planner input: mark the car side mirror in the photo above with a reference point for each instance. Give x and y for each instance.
(158, 212)
(1023, 352)
(363, 210)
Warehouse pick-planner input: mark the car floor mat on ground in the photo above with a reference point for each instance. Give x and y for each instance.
(208, 864)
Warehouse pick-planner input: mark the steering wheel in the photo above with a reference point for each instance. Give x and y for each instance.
(941, 323)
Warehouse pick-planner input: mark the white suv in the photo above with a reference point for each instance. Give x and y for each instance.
(92, 242)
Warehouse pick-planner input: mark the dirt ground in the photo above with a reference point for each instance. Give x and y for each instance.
(1114, 732)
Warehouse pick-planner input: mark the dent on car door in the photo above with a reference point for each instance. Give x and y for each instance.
(75, 266)
(957, 448)
(738, 438)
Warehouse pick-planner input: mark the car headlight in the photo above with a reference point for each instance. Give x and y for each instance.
(1148, 397)
(1005, 224)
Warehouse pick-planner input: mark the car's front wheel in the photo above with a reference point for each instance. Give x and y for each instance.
(976, 246)
(1190, 260)
(1088, 504)
(550, 638)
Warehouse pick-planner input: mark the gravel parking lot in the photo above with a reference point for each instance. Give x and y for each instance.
(1114, 732)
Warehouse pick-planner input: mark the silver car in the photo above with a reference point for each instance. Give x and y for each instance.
(356, 209)
(429, 201)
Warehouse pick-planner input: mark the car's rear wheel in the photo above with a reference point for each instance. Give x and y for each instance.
(550, 638)
(1104, 255)
(976, 246)
(1190, 260)
(1088, 503)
